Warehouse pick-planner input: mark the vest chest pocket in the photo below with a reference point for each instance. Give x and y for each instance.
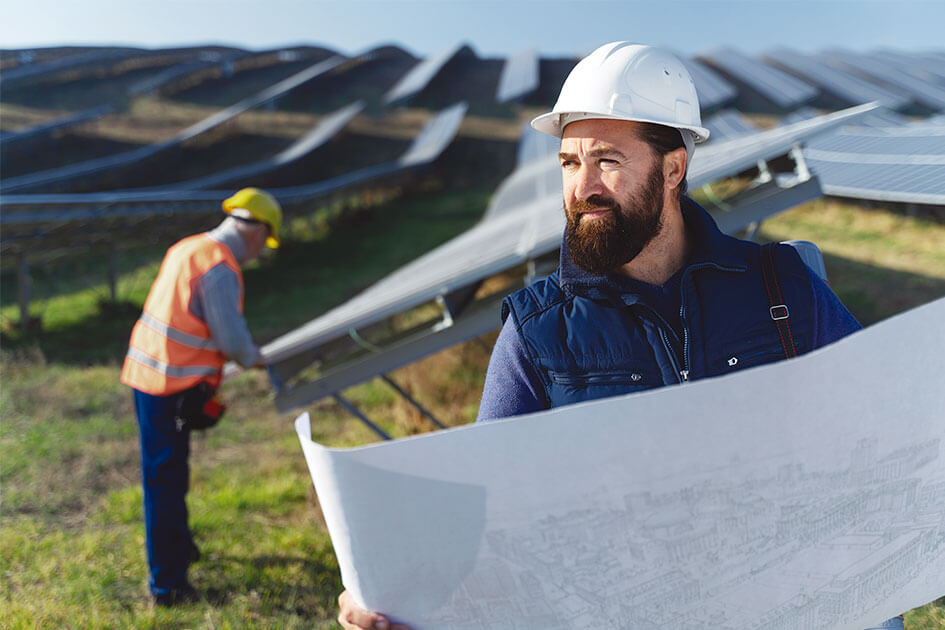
(608, 383)
(758, 352)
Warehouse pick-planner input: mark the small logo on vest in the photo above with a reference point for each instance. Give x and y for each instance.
(636, 377)
(732, 361)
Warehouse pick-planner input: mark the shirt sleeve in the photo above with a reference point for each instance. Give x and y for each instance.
(219, 294)
(832, 320)
(511, 386)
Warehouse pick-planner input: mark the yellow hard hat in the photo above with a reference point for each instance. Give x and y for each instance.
(262, 206)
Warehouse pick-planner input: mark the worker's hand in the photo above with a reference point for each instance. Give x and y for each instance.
(353, 617)
(259, 361)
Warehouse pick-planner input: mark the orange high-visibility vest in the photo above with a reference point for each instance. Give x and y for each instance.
(170, 349)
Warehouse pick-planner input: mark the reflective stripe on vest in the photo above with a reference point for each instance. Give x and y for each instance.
(179, 336)
(172, 370)
(171, 349)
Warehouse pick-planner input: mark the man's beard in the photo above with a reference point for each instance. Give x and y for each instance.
(603, 244)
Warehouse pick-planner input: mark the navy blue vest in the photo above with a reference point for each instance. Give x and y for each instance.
(586, 337)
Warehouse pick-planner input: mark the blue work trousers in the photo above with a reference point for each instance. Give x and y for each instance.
(165, 476)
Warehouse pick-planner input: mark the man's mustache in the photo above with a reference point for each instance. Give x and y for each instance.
(592, 204)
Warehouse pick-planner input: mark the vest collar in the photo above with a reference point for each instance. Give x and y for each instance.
(227, 234)
(709, 246)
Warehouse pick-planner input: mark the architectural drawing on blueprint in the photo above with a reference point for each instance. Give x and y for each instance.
(871, 517)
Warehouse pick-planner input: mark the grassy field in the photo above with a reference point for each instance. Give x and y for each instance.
(72, 550)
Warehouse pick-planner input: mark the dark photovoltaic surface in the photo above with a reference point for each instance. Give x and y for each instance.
(848, 87)
(921, 91)
(713, 90)
(519, 76)
(901, 164)
(778, 87)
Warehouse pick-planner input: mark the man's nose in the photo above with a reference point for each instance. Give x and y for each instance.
(587, 182)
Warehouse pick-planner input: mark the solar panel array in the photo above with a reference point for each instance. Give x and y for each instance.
(921, 91)
(847, 87)
(32, 180)
(926, 67)
(778, 87)
(25, 209)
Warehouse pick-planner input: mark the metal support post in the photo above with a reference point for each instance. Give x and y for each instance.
(800, 164)
(360, 416)
(764, 173)
(447, 320)
(387, 379)
(113, 274)
(23, 282)
(752, 230)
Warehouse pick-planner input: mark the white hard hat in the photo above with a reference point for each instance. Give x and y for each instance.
(626, 81)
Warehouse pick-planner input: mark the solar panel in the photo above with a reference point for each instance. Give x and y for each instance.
(519, 76)
(713, 90)
(534, 145)
(420, 75)
(326, 128)
(728, 124)
(879, 117)
(847, 87)
(179, 70)
(927, 67)
(804, 113)
(922, 92)
(128, 157)
(64, 122)
(438, 132)
(524, 221)
(52, 66)
(902, 164)
(778, 87)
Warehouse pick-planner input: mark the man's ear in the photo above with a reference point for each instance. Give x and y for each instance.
(674, 167)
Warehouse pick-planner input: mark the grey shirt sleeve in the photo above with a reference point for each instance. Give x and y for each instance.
(218, 298)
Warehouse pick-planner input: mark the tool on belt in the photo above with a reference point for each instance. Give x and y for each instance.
(199, 408)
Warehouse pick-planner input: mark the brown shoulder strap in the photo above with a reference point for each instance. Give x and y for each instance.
(776, 306)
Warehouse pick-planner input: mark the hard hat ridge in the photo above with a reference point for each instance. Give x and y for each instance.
(627, 81)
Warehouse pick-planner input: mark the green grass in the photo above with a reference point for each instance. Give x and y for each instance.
(71, 534)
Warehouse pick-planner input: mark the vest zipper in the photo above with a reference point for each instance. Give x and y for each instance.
(684, 373)
(671, 353)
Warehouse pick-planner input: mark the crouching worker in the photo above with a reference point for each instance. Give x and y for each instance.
(191, 325)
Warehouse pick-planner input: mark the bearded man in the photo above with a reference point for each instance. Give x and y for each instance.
(648, 292)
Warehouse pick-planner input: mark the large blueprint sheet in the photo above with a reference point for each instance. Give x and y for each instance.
(804, 494)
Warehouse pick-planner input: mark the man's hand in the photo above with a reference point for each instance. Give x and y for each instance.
(353, 617)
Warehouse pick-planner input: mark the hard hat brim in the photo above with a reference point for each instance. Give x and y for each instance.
(551, 123)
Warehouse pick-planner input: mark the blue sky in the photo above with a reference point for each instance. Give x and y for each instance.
(493, 28)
